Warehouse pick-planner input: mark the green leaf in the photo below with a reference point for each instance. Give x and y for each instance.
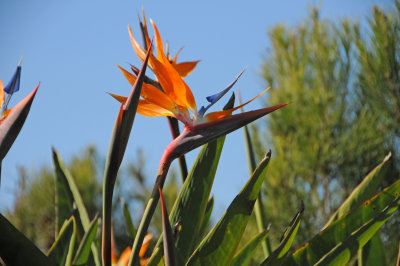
(73, 196)
(206, 221)
(373, 252)
(218, 247)
(190, 206)
(62, 250)
(244, 256)
(365, 190)
(278, 256)
(128, 220)
(16, 249)
(345, 250)
(83, 252)
(342, 228)
(119, 140)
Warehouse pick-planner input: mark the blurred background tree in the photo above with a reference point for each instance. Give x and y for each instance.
(34, 209)
(343, 84)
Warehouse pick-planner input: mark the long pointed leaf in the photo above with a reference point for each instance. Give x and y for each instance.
(244, 256)
(83, 252)
(119, 140)
(128, 220)
(342, 228)
(345, 250)
(62, 249)
(373, 253)
(365, 190)
(277, 257)
(219, 245)
(72, 193)
(17, 249)
(12, 124)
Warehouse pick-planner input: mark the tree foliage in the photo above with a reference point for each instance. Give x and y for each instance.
(343, 84)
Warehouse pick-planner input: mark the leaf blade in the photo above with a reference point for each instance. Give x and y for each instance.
(218, 247)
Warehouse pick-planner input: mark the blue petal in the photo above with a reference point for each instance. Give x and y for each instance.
(202, 110)
(214, 98)
(13, 85)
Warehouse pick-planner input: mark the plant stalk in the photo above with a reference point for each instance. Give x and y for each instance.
(151, 205)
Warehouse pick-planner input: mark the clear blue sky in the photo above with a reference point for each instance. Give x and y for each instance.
(73, 47)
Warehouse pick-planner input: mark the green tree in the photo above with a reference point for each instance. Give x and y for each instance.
(34, 209)
(332, 133)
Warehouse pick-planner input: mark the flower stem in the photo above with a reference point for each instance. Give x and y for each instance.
(151, 206)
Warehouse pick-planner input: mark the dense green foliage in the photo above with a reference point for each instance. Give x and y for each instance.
(343, 82)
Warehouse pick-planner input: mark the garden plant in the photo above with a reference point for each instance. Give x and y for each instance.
(186, 239)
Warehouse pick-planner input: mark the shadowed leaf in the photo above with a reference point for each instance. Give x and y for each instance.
(170, 257)
(128, 220)
(17, 249)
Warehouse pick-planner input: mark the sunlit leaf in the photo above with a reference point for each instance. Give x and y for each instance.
(278, 255)
(73, 196)
(61, 251)
(218, 247)
(83, 252)
(365, 190)
(341, 229)
(346, 249)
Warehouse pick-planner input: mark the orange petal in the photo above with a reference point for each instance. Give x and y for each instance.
(185, 68)
(144, 262)
(147, 108)
(5, 114)
(174, 85)
(146, 33)
(128, 75)
(160, 47)
(221, 114)
(176, 56)
(145, 245)
(121, 99)
(139, 50)
(2, 94)
(151, 93)
(154, 95)
(124, 258)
